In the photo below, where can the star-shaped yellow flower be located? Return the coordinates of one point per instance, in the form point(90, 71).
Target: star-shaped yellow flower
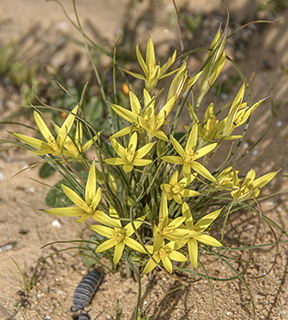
point(84, 208)
point(74, 148)
point(52, 146)
point(197, 232)
point(118, 236)
point(165, 253)
point(176, 189)
point(152, 71)
point(130, 157)
point(250, 188)
point(147, 119)
point(190, 154)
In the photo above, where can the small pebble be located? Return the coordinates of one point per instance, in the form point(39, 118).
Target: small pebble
point(279, 123)
point(255, 152)
point(56, 224)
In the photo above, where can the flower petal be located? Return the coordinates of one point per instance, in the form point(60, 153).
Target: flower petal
point(118, 252)
point(205, 222)
point(193, 251)
point(203, 151)
point(104, 231)
point(202, 171)
point(74, 197)
point(96, 199)
point(65, 128)
point(140, 153)
point(133, 244)
point(106, 245)
point(91, 184)
point(115, 161)
point(46, 133)
point(205, 238)
point(149, 266)
point(118, 148)
point(172, 159)
point(177, 146)
point(192, 139)
point(167, 264)
point(177, 256)
point(124, 113)
point(66, 212)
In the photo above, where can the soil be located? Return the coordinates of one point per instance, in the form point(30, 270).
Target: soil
point(38, 27)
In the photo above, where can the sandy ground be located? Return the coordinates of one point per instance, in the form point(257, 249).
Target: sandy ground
point(38, 26)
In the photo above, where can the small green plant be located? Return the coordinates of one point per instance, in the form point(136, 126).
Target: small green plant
point(27, 282)
point(20, 73)
point(150, 193)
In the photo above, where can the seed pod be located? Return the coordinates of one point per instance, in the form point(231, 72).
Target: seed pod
point(85, 290)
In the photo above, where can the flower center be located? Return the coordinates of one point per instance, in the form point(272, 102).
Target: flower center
point(189, 156)
point(52, 143)
point(176, 189)
point(88, 209)
point(164, 252)
point(119, 235)
point(130, 156)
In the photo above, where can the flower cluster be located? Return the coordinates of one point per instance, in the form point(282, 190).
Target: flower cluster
point(149, 188)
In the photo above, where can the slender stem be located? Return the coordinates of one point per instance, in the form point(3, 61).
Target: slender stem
point(73, 169)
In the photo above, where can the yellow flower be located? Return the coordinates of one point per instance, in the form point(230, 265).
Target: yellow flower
point(118, 236)
point(165, 253)
point(74, 148)
point(239, 112)
point(190, 154)
point(197, 233)
point(215, 63)
point(153, 72)
point(176, 189)
point(145, 119)
point(167, 228)
point(52, 146)
point(250, 188)
point(130, 157)
point(225, 178)
point(84, 208)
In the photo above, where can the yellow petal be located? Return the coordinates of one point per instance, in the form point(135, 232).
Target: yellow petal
point(124, 113)
point(104, 231)
point(91, 184)
point(193, 252)
point(140, 153)
point(106, 245)
point(118, 252)
point(66, 126)
point(192, 139)
point(167, 264)
point(202, 171)
point(150, 53)
point(66, 212)
point(205, 222)
point(134, 102)
point(74, 197)
point(133, 244)
point(96, 199)
point(41, 145)
point(205, 238)
point(118, 148)
point(172, 159)
point(177, 146)
point(46, 133)
point(149, 266)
